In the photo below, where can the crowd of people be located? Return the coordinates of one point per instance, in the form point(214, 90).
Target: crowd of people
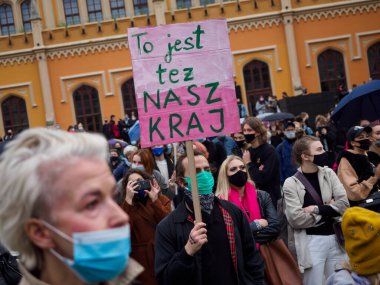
point(81, 210)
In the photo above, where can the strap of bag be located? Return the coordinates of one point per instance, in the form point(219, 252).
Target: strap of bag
point(308, 187)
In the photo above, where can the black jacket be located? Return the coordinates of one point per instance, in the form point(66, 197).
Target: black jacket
point(268, 212)
point(267, 179)
point(174, 266)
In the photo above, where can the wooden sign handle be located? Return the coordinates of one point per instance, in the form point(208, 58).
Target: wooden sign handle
point(193, 180)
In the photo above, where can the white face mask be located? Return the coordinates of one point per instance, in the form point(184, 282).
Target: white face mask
point(290, 134)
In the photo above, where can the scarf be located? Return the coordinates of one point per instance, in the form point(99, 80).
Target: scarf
point(206, 200)
point(248, 203)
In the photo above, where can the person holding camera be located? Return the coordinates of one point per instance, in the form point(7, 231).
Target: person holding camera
point(146, 207)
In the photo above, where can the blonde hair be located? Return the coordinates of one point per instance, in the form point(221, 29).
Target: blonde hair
point(223, 186)
point(29, 169)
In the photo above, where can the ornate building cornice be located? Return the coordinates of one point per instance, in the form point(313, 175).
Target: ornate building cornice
point(65, 50)
point(256, 22)
point(332, 11)
point(308, 13)
point(17, 58)
point(98, 45)
point(91, 48)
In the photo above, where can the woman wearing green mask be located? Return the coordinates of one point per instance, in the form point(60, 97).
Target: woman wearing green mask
point(57, 210)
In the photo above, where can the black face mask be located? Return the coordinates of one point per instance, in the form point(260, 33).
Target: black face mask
point(364, 144)
point(240, 143)
point(250, 137)
point(238, 179)
point(114, 158)
point(321, 159)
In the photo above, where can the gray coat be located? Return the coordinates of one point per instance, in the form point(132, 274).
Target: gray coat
point(299, 221)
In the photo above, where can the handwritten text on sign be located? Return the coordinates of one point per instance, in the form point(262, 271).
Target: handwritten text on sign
point(183, 81)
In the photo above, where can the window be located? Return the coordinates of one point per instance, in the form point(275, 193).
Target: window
point(87, 108)
point(206, 2)
point(141, 7)
point(71, 12)
point(117, 9)
point(257, 82)
point(94, 8)
point(7, 23)
point(373, 54)
point(129, 97)
point(15, 116)
point(331, 71)
point(25, 12)
point(181, 4)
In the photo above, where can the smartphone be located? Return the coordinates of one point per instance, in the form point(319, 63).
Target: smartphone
point(142, 185)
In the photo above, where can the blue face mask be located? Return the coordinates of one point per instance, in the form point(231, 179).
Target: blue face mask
point(205, 182)
point(98, 255)
point(157, 151)
point(139, 167)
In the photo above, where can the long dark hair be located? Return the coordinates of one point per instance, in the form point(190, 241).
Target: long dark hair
point(124, 182)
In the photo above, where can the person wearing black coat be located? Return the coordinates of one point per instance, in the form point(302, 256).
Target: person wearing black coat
point(261, 159)
point(220, 250)
point(174, 266)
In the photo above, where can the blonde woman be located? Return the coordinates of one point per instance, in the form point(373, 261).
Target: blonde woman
point(57, 210)
point(234, 185)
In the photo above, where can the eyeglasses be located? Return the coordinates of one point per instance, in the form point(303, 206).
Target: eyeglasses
point(235, 168)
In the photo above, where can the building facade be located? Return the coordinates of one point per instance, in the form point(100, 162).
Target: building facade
point(67, 61)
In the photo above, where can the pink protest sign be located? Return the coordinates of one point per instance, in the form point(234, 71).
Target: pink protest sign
point(183, 81)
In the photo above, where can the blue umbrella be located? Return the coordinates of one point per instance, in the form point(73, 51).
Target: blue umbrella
point(134, 132)
point(362, 103)
point(281, 116)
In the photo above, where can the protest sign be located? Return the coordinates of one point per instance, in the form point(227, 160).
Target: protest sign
point(183, 81)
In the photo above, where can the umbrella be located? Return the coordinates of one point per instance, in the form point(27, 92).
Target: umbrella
point(362, 103)
point(278, 117)
point(134, 132)
point(114, 141)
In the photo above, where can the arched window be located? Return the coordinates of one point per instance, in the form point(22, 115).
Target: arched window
point(25, 12)
point(129, 97)
point(87, 108)
point(182, 4)
point(71, 12)
point(140, 7)
point(117, 8)
point(7, 23)
point(257, 82)
point(331, 71)
point(94, 8)
point(374, 61)
point(15, 115)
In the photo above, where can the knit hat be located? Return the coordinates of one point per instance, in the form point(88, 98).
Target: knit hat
point(361, 229)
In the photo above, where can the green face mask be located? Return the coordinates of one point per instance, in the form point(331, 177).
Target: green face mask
point(205, 182)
